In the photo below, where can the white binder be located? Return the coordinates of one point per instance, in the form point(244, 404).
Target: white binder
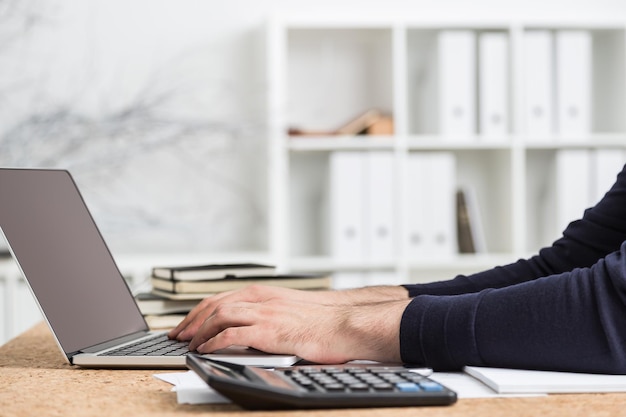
point(417, 199)
point(379, 198)
point(457, 84)
point(539, 85)
point(573, 186)
point(493, 84)
point(441, 232)
point(347, 220)
point(606, 164)
point(431, 206)
point(573, 63)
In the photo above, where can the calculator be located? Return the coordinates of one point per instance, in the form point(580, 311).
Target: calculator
point(320, 386)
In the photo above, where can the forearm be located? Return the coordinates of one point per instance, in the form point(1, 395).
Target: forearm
point(367, 295)
point(572, 321)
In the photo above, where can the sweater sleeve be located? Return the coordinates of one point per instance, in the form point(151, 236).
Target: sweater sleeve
point(600, 231)
point(574, 321)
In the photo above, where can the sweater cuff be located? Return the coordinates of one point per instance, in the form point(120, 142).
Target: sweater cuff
point(438, 331)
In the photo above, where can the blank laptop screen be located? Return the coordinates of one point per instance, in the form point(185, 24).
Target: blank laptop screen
point(64, 258)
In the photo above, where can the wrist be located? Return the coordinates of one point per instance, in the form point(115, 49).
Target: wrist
point(372, 331)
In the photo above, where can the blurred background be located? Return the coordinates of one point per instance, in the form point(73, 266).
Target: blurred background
point(172, 116)
point(159, 109)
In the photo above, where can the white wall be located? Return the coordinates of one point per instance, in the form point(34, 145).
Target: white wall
point(158, 106)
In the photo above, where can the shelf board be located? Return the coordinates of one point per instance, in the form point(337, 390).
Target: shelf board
point(590, 24)
point(439, 142)
point(464, 262)
point(349, 21)
point(327, 263)
point(592, 141)
point(462, 142)
point(334, 143)
point(458, 262)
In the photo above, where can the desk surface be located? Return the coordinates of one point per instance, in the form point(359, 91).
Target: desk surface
point(41, 383)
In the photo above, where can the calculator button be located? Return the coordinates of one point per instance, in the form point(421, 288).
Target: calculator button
point(359, 387)
point(411, 376)
point(334, 387)
point(324, 380)
point(382, 387)
point(384, 370)
point(408, 387)
point(346, 378)
point(303, 380)
point(430, 386)
point(371, 379)
point(392, 378)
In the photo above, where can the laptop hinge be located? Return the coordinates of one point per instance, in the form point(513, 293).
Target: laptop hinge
point(114, 342)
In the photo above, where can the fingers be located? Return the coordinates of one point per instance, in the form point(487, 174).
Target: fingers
point(190, 324)
point(224, 319)
point(254, 293)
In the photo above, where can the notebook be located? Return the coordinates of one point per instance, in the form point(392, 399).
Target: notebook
point(520, 381)
point(75, 280)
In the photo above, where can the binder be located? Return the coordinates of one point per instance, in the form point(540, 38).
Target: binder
point(470, 232)
point(440, 207)
point(457, 83)
point(573, 63)
point(379, 206)
point(573, 186)
point(347, 222)
point(493, 85)
point(539, 85)
point(431, 206)
point(606, 164)
point(417, 200)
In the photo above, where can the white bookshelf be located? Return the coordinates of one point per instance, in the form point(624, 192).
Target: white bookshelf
point(309, 65)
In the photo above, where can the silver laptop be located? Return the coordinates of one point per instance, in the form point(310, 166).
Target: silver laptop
point(80, 291)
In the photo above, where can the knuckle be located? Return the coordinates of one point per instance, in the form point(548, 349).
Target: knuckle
point(204, 303)
point(220, 312)
point(229, 336)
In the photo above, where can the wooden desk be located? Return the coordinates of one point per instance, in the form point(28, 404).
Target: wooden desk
point(40, 383)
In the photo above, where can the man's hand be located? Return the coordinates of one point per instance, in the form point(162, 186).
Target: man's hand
point(259, 293)
point(254, 293)
point(321, 326)
point(316, 332)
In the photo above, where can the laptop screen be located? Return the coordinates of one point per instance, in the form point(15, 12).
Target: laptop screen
point(65, 259)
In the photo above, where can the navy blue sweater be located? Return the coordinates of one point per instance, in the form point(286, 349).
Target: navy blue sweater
point(563, 309)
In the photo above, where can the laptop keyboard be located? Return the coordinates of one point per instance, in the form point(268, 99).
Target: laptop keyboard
point(158, 345)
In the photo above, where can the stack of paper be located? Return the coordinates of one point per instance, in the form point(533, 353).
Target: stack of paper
point(191, 389)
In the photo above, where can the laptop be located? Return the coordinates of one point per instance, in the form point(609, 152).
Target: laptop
point(76, 282)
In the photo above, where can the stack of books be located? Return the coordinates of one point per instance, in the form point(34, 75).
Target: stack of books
point(177, 289)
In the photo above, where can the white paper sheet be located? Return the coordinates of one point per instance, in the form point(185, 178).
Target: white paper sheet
point(191, 389)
